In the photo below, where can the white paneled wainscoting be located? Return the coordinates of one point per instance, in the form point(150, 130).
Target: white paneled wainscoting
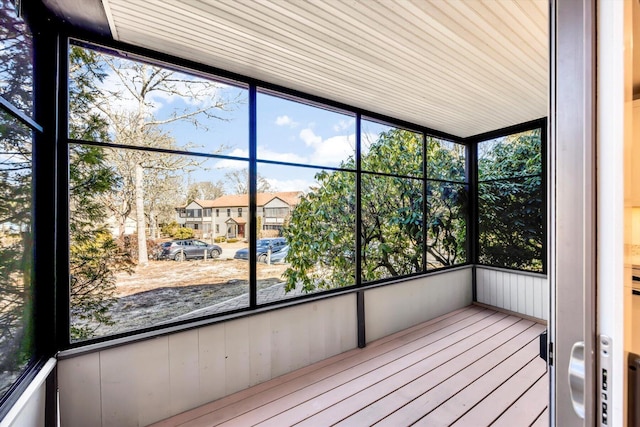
point(516, 291)
point(146, 380)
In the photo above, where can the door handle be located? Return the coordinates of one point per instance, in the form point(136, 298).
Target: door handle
point(576, 378)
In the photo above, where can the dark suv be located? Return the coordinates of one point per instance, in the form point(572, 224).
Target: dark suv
point(276, 245)
point(180, 250)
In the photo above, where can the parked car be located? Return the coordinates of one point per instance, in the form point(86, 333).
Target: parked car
point(180, 250)
point(276, 245)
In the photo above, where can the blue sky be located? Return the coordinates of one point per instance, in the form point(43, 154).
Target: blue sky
point(288, 131)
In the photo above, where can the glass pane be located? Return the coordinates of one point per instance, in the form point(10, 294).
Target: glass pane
point(16, 59)
point(446, 224)
point(386, 149)
point(445, 160)
point(307, 228)
point(121, 101)
point(294, 132)
point(147, 240)
point(510, 156)
point(16, 317)
point(511, 223)
point(392, 230)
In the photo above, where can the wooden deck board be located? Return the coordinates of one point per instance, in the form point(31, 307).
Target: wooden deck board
point(468, 367)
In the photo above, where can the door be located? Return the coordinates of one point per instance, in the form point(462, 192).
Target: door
point(572, 224)
point(587, 135)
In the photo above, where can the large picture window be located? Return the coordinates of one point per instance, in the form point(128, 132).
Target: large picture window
point(150, 151)
point(510, 201)
point(161, 197)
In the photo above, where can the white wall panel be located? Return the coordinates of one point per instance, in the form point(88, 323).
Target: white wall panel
point(184, 372)
point(511, 290)
point(259, 340)
point(79, 385)
point(391, 308)
point(118, 369)
point(212, 366)
point(143, 382)
point(237, 355)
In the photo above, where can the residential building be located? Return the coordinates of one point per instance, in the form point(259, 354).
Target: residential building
point(228, 215)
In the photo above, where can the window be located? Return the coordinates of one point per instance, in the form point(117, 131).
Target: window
point(129, 186)
point(311, 186)
point(17, 337)
point(355, 200)
point(16, 333)
point(392, 192)
point(447, 194)
point(276, 212)
point(510, 201)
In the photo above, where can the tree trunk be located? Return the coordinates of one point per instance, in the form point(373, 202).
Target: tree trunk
point(143, 259)
point(153, 226)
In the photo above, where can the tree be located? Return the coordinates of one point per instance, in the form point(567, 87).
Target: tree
point(94, 255)
point(238, 182)
point(322, 232)
point(510, 201)
point(204, 190)
point(137, 124)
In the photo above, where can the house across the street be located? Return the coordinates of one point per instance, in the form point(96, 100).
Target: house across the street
point(228, 215)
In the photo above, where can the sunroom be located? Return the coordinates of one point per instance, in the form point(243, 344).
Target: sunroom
point(406, 142)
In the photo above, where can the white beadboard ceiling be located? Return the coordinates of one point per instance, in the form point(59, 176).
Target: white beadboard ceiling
point(458, 66)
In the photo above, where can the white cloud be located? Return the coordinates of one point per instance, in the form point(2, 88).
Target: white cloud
point(231, 164)
point(286, 121)
point(234, 164)
point(291, 184)
point(265, 153)
point(330, 151)
point(310, 138)
point(344, 125)
point(335, 149)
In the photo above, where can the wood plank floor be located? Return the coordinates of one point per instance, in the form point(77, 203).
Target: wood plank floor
point(471, 367)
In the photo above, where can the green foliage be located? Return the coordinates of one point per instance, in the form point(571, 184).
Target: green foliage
point(232, 240)
point(220, 239)
point(95, 257)
point(184, 233)
point(170, 229)
point(510, 206)
point(516, 155)
point(321, 231)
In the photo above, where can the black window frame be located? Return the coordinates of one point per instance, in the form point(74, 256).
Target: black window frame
point(99, 43)
point(44, 128)
point(541, 124)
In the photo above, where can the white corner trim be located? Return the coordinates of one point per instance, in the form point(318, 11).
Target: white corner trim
point(32, 388)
